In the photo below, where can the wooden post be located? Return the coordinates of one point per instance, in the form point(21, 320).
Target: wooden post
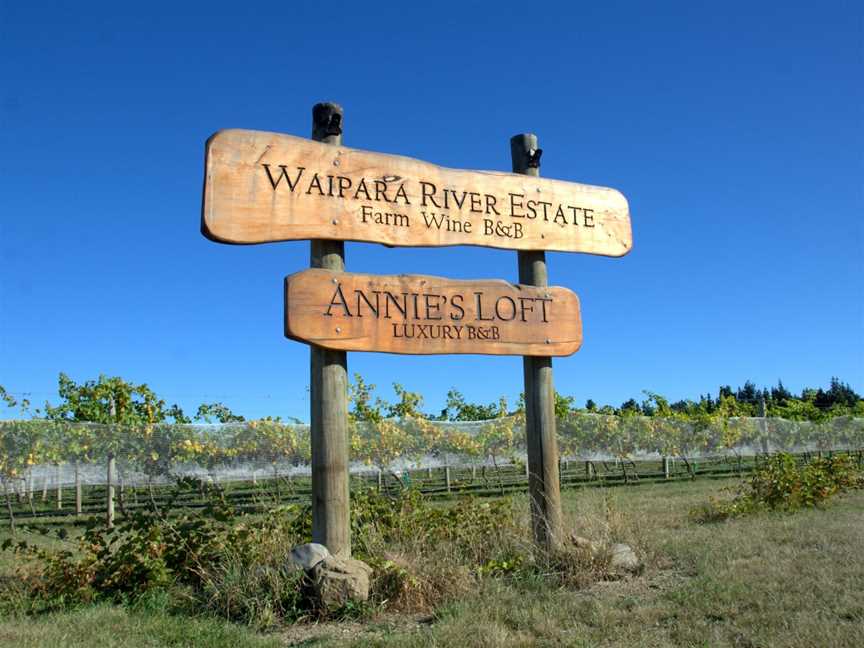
point(78, 498)
point(331, 525)
point(9, 506)
point(109, 494)
point(543, 480)
point(121, 498)
point(30, 487)
point(447, 477)
point(109, 507)
point(763, 424)
point(59, 488)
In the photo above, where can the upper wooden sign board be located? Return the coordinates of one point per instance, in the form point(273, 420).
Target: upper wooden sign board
point(430, 315)
point(262, 187)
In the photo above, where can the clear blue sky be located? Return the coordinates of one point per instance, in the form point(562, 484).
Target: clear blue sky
point(734, 129)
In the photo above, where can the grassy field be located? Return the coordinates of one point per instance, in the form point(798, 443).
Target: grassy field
point(766, 580)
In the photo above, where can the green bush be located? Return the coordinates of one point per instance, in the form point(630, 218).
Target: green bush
point(470, 526)
point(781, 484)
point(219, 560)
point(191, 551)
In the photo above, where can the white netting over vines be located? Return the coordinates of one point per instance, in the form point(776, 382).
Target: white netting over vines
point(262, 449)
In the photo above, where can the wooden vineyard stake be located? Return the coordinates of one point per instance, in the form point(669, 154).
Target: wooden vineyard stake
point(78, 494)
point(262, 187)
point(543, 480)
point(427, 315)
point(112, 473)
point(109, 506)
point(331, 524)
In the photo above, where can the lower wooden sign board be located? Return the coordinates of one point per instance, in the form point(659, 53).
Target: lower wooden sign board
point(418, 314)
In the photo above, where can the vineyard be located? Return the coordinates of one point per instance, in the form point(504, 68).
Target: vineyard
point(52, 468)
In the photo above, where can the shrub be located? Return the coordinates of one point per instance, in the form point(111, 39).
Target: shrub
point(469, 526)
point(236, 565)
point(190, 551)
point(781, 484)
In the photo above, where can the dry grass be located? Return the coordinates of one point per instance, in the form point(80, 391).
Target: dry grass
point(426, 561)
point(771, 580)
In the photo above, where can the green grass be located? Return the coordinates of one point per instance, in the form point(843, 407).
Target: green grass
point(772, 580)
point(114, 626)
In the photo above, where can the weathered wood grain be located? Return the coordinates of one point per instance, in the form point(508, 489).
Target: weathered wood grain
point(544, 486)
point(262, 187)
point(328, 389)
point(418, 314)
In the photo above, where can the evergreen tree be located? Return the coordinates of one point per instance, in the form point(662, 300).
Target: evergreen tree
point(748, 394)
point(839, 393)
point(630, 407)
point(780, 394)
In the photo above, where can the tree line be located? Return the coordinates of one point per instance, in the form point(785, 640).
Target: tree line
point(812, 404)
point(113, 400)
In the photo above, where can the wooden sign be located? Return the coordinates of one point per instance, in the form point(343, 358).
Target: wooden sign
point(430, 315)
point(262, 187)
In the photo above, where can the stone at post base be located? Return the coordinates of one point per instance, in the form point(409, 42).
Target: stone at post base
point(331, 582)
point(339, 581)
point(308, 555)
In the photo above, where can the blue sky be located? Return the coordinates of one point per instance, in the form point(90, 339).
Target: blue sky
point(736, 131)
